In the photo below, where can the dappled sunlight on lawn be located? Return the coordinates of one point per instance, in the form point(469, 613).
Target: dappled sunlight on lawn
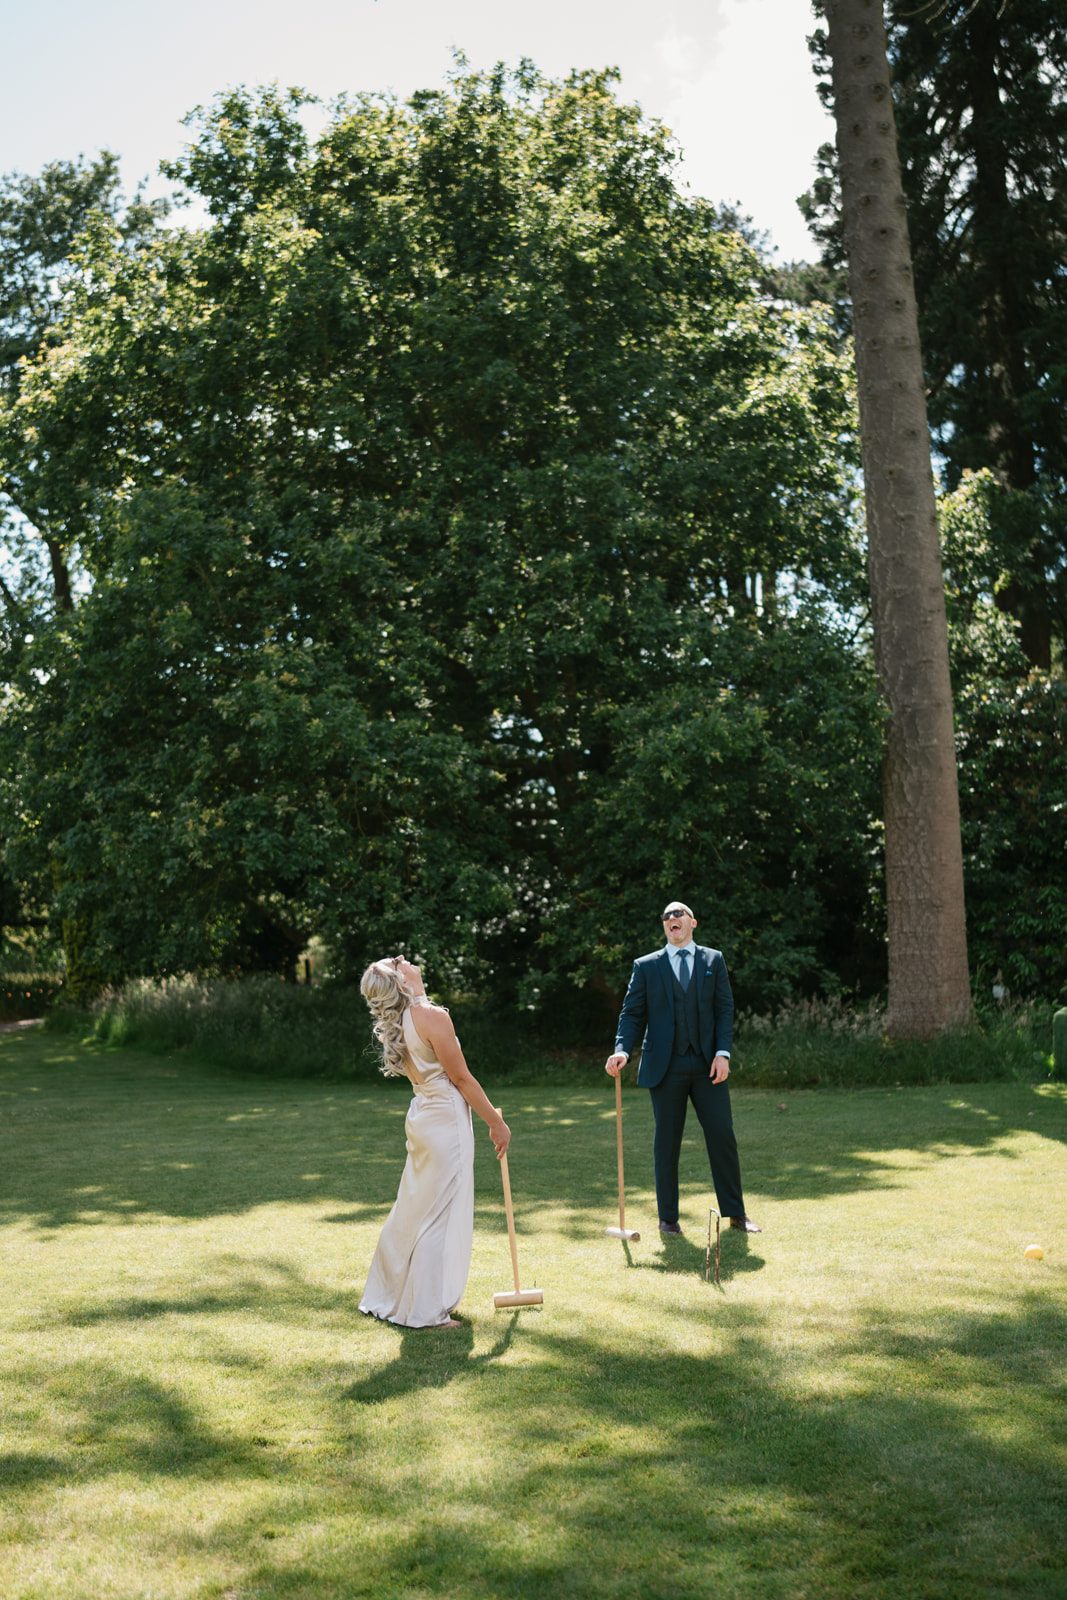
point(499, 1458)
point(870, 1399)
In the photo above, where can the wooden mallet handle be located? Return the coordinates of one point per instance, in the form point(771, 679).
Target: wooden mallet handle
point(621, 1232)
point(521, 1297)
point(511, 1219)
point(618, 1142)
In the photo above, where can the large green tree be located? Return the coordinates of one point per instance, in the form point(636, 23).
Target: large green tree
point(400, 486)
point(43, 218)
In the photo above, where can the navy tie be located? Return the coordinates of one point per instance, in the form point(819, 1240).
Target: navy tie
point(683, 969)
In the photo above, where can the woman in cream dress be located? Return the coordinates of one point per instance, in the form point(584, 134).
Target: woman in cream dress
point(420, 1267)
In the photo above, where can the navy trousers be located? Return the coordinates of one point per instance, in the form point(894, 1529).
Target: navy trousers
point(688, 1079)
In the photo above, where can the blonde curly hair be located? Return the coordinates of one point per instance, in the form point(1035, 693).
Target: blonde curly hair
point(383, 989)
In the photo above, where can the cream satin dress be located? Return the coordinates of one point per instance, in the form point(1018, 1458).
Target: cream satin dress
point(423, 1259)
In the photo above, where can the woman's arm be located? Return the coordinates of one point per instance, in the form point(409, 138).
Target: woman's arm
point(434, 1025)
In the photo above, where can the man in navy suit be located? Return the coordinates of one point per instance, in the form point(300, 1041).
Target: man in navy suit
point(680, 999)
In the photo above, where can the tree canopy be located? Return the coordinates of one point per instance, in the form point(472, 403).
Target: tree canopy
point(980, 96)
point(435, 503)
point(453, 546)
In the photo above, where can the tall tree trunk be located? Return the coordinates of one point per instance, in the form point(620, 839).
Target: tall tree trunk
point(929, 988)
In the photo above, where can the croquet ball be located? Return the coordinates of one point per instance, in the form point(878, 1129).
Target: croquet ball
point(1033, 1252)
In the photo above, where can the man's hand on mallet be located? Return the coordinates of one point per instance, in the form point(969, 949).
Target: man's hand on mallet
point(614, 1064)
point(720, 1069)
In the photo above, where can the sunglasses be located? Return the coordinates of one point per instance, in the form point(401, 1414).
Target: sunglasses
point(675, 911)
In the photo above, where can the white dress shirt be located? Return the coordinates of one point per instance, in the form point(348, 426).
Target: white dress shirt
point(675, 951)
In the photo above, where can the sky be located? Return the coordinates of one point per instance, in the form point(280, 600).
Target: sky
point(730, 78)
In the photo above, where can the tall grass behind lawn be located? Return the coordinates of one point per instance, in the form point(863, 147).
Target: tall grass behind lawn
point(260, 1024)
point(829, 1043)
point(254, 1024)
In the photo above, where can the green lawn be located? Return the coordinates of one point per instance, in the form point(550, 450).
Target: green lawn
point(871, 1404)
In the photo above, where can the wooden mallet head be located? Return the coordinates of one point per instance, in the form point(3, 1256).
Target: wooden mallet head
point(521, 1297)
point(517, 1296)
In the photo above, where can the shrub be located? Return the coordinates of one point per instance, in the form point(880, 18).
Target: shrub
point(256, 1024)
point(806, 1043)
point(263, 1025)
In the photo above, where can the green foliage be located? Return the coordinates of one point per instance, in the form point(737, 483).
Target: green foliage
point(1011, 740)
point(831, 1043)
point(1013, 803)
point(743, 784)
point(465, 538)
point(41, 221)
point(406, 489)
point(45, 223)
point(977, 558)
point(980, 96)
point(982, 118)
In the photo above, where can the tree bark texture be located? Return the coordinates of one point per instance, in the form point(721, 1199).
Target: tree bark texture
point(929, 987)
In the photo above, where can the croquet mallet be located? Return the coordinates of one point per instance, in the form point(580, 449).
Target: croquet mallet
point(622, 1231)
point(707, 1258)
point(521, 1297)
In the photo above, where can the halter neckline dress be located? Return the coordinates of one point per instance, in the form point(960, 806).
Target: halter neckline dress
point(423, 1259)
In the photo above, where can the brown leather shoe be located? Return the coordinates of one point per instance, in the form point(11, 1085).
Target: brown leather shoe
point(745, 1223)
point(669, 1227)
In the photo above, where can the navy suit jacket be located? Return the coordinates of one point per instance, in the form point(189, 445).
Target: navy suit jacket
point(649, 1009)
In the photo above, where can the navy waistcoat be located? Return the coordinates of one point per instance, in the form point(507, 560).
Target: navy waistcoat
point(686, 1016)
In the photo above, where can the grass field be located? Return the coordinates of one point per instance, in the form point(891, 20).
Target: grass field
point(871, 1404)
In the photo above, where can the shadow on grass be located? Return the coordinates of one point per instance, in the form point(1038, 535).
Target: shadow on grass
point(21, 1469)
point(681, 1257)
point(258, 1286)
point(409, 1372)
point(928, 1464)
point(924, 1459)
point(89, 1136)
point(810, 1144)
point(744, 1485)
point(120, 1422)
